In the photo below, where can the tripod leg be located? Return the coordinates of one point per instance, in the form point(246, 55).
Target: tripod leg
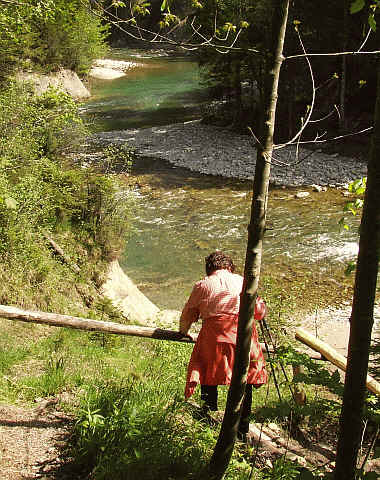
point(270, 362)
point(275, 351)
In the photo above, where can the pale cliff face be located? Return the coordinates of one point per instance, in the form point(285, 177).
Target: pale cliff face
point(125, 295)
point(65, 80)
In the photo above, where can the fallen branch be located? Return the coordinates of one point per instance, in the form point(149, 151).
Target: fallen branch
point(332, 356)
point(79, 323)
point(272, 441)
point(314, 453)
point(60, 252)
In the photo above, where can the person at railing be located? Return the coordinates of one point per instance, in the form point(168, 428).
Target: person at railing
point(216, 299)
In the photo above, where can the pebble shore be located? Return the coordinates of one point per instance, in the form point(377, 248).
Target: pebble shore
point(217, 151)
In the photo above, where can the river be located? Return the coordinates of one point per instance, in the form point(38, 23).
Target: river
point(180, 216)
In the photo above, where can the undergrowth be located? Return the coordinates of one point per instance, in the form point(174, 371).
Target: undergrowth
point(45, 193)
point(130, 418)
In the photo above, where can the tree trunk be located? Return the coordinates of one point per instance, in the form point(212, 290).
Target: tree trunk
point(362, 314)
point(237, 89)
point(67, 321)
point(225, 444)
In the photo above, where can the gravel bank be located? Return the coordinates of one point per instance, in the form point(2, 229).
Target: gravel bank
point(217, 151)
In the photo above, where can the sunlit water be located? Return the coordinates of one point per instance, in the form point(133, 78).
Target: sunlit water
point(163, 90)
point(183, 216)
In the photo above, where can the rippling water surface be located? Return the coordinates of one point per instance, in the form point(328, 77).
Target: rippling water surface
point(185, 216)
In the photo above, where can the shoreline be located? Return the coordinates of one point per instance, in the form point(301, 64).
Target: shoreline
point(108, 69)
point(218, 151)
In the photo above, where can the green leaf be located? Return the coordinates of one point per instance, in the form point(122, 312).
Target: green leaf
point(356, 6)
point(197, 4)
point(348, 207)
point(229, 26)
point(376, 453)
point(371, 476)
point(372, 22)
point(351, 266)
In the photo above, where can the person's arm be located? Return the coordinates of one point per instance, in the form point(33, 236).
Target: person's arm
point(190, 312)
point(260, 309)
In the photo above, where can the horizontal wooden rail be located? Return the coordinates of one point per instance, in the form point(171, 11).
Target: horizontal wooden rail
point(332, 355)
point(79, 323)
point(57, 320)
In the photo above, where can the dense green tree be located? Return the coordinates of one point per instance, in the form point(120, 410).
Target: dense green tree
point(346, 82)
point(49, 35)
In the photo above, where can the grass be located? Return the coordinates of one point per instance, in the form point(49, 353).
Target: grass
point(126, 395)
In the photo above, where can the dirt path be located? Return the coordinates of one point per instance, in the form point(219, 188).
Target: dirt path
point(32, 442)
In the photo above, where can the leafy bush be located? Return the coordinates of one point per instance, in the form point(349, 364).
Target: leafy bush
point(50, 34)
point(43, 190)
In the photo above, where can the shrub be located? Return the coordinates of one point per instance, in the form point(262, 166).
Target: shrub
point(50, 34)
point(43, 189)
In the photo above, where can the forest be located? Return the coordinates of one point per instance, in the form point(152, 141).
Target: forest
point(274, 69)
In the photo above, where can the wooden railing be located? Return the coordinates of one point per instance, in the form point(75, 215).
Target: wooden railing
point(325, 351)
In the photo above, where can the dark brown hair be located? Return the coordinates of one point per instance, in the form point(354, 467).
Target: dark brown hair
point(218, 261)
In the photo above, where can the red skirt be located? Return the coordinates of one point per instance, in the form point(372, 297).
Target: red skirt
point(212, 360)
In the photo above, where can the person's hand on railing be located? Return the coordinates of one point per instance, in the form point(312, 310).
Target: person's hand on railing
point(187, 335)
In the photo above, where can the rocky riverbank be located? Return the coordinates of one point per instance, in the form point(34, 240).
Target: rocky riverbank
point(108, 69)
point(217, 151)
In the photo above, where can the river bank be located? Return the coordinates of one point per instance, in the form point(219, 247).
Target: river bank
point(215, 150)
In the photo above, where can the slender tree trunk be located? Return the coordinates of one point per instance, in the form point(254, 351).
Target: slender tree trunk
point(225, 444)
point(362, 314)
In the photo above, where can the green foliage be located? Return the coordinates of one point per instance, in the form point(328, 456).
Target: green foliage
point(141, 7)
point(9, 357)
point(238, 79)
point(356, 6)
point(53, 379)
point(357, 187)
point(43, 189)
point(315, 372)
point(123, 422)
point(283, 469)
point(50, 34)
point(280, 306)
point(359, 5)
point(73, 37)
